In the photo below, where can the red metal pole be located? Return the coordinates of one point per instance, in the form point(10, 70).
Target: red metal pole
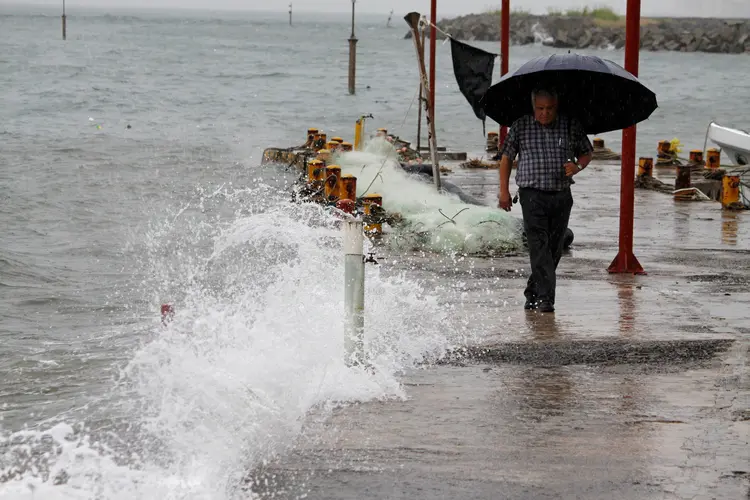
point(504, 44)
point(433, 44)
point(625, 262)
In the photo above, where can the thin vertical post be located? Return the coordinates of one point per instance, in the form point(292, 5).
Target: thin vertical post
point(412, 20)
point(419, 108)
point(352, 55)
point(290, 14)
point(433, 46)
point(504, 49)
point(64, 23)
point(354, 292)
point(625, 261)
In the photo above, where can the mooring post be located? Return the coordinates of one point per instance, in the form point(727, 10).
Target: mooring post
point(290, 14)
point(412, 19)
point(730, 191)
point(645, 166)
point(354, 292)
point(64, 27)
point(714, 158)
point(352, 54)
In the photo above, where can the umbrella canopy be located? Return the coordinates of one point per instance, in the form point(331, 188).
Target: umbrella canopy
point(601, 94)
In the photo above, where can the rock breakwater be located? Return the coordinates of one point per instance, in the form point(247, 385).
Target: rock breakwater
point(730, 36)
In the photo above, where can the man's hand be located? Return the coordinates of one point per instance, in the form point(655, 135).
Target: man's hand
point(571, 169)
point(505, 202)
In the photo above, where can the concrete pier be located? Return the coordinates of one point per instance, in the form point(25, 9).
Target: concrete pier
point(638, 387)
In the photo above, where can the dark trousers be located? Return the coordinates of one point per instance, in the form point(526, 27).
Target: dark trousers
point(545, 219)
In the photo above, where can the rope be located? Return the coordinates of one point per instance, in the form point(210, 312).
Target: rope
point(382, 165)
point(605, 154)
point(423, 21)
point(691, 163)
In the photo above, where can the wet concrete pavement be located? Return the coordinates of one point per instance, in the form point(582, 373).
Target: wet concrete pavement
point(637, 387)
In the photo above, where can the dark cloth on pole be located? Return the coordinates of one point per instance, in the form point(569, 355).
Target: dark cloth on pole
point(545, 219)
point(473, 70)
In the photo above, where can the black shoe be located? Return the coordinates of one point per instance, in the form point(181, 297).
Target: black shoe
point(530, 304)
point(546, 306)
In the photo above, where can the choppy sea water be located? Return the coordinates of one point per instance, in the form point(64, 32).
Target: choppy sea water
point(102, 223)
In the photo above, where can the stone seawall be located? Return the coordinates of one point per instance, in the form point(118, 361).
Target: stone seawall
point(675, 34)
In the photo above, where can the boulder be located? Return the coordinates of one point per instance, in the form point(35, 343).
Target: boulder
point(683, 34)
point(563, 41)
point(585, 40)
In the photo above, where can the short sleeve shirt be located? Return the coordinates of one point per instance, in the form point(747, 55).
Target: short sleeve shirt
point(543, 151)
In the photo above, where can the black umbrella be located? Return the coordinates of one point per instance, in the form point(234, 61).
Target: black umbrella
point(600, 93)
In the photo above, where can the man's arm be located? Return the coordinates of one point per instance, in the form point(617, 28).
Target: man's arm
point(508, 154)
point(504, 195)
point(584, 160)
point(584, 147)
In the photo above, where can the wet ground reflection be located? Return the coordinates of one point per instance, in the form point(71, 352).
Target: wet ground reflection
point(729, 227)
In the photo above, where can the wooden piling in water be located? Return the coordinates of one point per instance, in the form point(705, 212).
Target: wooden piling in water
point(64, 23)
point(352, 55)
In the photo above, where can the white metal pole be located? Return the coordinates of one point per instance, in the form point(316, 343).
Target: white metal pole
point(354, 294)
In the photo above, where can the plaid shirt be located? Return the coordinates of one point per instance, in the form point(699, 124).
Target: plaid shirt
point(544, 150)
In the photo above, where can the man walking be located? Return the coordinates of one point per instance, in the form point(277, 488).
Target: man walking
point(552, 149)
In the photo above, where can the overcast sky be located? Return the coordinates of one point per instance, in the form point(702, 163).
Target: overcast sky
point(703, 8)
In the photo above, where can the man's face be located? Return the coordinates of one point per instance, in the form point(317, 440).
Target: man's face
point(545, 109)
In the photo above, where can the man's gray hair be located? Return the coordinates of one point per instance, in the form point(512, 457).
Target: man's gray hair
point(542, 93)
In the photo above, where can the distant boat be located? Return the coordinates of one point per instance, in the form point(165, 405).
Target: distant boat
point(733, 142)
